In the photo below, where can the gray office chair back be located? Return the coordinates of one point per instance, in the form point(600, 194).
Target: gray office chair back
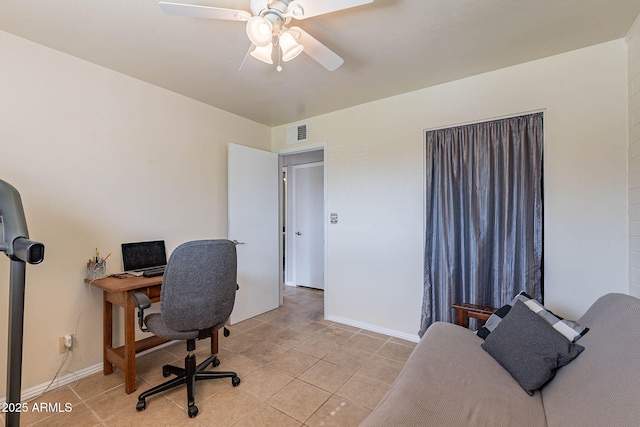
point(199, 285)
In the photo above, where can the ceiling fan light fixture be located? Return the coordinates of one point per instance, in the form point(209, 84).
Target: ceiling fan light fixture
point(263, 53)
point(259, 31)
point(267, 26)
point(290, 47)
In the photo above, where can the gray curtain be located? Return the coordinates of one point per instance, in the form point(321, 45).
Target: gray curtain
point(483, 215)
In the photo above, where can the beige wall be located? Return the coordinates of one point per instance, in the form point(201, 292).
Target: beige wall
point(633, 42)
point(100, 159)
point(74, 139)
point(375, 183)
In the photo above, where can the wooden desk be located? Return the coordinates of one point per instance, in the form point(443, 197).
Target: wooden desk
point(118, 292)
point(465, 311)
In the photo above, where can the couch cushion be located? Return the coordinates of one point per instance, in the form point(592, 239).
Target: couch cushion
point(450, 381)
point(529, 348)
point(602, 386)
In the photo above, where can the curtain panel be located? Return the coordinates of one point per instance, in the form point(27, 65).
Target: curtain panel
point(483, 215)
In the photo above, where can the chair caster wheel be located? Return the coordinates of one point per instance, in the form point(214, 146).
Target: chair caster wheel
point(215, 363)
point(193, 411)
point(225, 332)
point(235, 381)
point(165, 373)
point(141, 405)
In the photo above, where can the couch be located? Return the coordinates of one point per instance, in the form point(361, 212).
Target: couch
point(450, 380)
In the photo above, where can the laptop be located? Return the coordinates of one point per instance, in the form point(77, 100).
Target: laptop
point(139, 257)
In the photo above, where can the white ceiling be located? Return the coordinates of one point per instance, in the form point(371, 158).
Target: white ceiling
point(389, 46)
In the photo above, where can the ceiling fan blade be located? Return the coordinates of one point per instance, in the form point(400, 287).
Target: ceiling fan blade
point(316, 50)
point(194, 11)
point(320, 7)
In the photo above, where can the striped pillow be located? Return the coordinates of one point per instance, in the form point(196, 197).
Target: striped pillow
point(571, 330)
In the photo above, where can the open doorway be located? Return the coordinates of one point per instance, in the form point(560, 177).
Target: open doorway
point(303, 219)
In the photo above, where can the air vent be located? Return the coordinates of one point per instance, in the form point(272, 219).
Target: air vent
point(297, 134)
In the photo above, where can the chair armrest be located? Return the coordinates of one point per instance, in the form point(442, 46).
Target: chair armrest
point(142, 302)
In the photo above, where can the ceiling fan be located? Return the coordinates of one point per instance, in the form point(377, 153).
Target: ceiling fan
point(267, 26)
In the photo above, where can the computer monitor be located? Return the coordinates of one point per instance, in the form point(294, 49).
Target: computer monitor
point(143, 255)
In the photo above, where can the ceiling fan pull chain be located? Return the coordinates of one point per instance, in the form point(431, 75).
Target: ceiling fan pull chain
point(276, 42)
point(245, 56)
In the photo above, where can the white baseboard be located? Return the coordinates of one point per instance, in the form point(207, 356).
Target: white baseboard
point(61, 381)
point(72, 377)
point(374, 328)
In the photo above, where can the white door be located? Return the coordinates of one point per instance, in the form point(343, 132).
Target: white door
point(253, 181)
point(308, 225)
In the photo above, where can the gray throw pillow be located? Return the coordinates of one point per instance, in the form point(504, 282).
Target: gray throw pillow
point(529, 348)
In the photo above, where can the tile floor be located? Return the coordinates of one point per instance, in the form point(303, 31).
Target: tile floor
point(297, 369)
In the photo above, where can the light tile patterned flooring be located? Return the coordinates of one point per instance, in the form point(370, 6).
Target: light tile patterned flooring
point(297, 369)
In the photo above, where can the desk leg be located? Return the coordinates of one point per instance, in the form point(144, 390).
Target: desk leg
point(129, 345)
point(107, 333)
point(214, 343)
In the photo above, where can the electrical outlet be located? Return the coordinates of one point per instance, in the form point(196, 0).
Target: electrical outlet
point(64, 342)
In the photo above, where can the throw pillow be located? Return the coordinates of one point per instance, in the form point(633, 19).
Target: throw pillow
point(529, 348)
point(570, 329)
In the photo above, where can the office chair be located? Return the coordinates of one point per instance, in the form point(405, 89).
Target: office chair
point(197, 296)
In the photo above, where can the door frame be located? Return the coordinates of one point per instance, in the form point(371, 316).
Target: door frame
point(295, 150)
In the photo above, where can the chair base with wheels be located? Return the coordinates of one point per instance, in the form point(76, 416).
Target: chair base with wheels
point(189, 375)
